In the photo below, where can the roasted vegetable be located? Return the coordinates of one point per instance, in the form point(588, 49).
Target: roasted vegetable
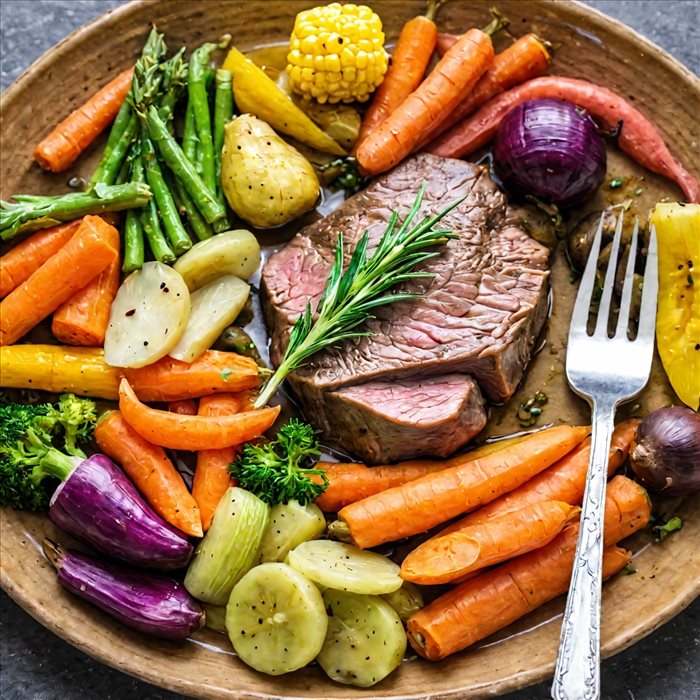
point(28, 433)
point(213, 307)
point(665, 455)
point(678, 313)
point(228, 549)
point(230, 253)
point(581, 237)
point(95, 501)
point(341, 122)
point(235, 339)
point(550, 149)
point(148, 316)
point(154, 605)
point(406, 600)
point(267, 182)
point(276, 619)
point(365, 641)
point(278, 471)
point(344, 567)
point(337, 53)
point(290, 524)
point(257, 94)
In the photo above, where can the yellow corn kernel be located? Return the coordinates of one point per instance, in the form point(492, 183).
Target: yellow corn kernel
point(337, 53)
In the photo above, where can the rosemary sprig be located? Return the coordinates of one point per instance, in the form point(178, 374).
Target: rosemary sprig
point(350, 298)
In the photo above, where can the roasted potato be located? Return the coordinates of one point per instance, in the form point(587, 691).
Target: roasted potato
point(266, 181)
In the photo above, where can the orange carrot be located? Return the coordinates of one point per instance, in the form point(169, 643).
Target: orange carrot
point(149, 468)
point(83, 319)
point(212, 477)
point(409, 61)
point(484, 604)
point(192, 432)
point(524, 59)
point(350, 482)
point(446, 558)
point(638, 137)
point(185, 407)
point(453, 78)
point(213, 372)
point(59, 150)
point(27, 257)
point(435, 498)
point(563, 481)
point(89, 251)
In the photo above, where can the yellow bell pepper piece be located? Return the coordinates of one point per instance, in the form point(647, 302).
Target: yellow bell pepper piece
point(257, 94)
point(59, 369)
point(678, 315)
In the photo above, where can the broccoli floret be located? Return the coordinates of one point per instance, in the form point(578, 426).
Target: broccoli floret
point(30, 438)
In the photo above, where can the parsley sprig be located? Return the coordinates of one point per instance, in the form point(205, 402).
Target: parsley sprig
point(349, 298)
point(280, 470)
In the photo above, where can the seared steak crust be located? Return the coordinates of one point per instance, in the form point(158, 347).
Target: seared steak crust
point(479, 315)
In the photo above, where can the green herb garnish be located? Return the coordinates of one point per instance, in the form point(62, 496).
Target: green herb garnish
point(349, 298)
point(616, 183)
point(661, 532)
point(348, 177)
point(280, 470)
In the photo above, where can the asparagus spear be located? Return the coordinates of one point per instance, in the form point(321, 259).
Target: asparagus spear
point(31, 213)
point(197, 91)
point(223, 111)
point(190, 141)
point(134, 243)
point(200, 227)
point(171, 153)
point(179, 240)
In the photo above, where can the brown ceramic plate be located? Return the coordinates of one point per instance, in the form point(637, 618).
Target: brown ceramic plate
point(589, 46)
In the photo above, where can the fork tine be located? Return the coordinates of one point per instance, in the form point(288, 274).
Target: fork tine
point(579, 317)
point(601, 326)
point(650, 292)
point(623, 318)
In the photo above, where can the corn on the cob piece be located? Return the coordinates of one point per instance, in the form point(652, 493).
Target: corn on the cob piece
point(337, 53)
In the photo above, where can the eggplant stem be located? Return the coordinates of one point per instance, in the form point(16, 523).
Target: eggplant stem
point(53, 551)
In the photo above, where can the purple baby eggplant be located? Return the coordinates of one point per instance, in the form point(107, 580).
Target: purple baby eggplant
point(98, 504)
point(155, 605)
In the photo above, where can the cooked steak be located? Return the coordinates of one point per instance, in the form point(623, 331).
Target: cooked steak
point(394, 420)
point(479, 315)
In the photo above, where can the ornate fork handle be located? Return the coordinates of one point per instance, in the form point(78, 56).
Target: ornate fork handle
point(577, 676)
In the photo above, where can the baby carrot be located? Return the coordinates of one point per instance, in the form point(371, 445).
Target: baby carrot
point(637, 137)
point(523, 60)
point(409, 61)
point(435, 498)
point(185, 407)
point(87, 253)
point(27, 257)
point(484, 604)
point(350, 482)
point(446, 558)
point(83, 319)
point(192, 432)
point(59, 150)
point(212, 477)
point(452, 79)
point(213, 372)
point(563, 481)
point(151, 471)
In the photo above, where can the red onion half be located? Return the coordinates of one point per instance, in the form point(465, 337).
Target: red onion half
point(550, 149)
point(665, 454)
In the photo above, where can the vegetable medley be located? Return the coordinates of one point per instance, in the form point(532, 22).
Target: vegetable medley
point(150, 271)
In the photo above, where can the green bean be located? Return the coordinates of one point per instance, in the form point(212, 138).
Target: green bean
point(197, 91)
point(223, 111)
point(171, 153)
point(179, 240)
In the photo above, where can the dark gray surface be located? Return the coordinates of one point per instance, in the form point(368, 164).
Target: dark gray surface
point(35, 664)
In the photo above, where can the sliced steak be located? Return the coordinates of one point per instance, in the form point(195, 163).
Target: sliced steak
point(479, 315)
point(391, 421)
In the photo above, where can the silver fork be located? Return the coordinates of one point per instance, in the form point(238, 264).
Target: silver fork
point(605, 371)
